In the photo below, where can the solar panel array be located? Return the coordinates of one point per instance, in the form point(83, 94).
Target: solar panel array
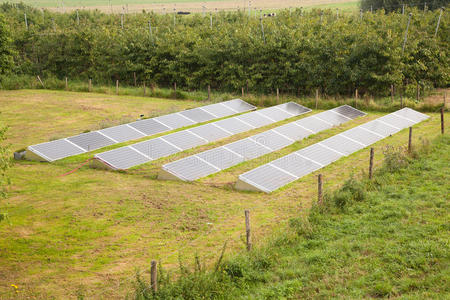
point(133, 155)
point(86, 142)
point(278, 173)
point(214, 160)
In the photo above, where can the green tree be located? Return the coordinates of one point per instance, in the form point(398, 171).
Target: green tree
point(393, 5)
point(6, 52)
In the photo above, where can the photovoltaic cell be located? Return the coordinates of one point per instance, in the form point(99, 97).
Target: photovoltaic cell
point(155, 148)
point(62, 148)
point(314, 124)
point(192, 167)
point(267, 142)
point(56, 149)
point(332, 117)
point(255, 120)
point(320, 154)
point(149, 126)
point(233, 125)
point(325, 152)
point(123, 158)
point(296, 165)
point(272, 140)
point(91, 141)
point(210, 132)
point(122, 133)
point(349, 111)
point(198, 115)
point(184, 140)
point(175, 121)
point(274, 113)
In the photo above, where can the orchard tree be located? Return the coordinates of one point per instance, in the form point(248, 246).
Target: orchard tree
point(6, 52)
point(5, 163)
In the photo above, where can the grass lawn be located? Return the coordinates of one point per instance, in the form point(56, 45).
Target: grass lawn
point(89, 231)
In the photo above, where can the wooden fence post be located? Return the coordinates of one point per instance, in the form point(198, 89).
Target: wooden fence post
point(145, 89)
point(153, 276)
point(392, 93)
point(242, 92)
point(442, 120)
point(209, 92)
point(175, 89)
point(90, 85)
point(134, 77)
point(410, 140)
point(247, 230)
point(371, 163)
point(356, 93)
point(319, 189)
point(278, 96)
point(67, 84)
point(117, 87)
point(317, 97)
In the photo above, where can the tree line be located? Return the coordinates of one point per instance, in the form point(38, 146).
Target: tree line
point(297, 51)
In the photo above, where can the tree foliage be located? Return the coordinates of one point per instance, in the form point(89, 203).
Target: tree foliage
point(5, 163)
point(397, 5)
point(6, 53)
point(300, 51)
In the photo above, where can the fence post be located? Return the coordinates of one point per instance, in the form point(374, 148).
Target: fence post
point(247, 230)
point(242, 92)
point(438, 22)
point(418, 91)
point(317, 97)
point(410, 140)
point(209, 92)
point(442, 120)
point(371, 163)
point(39, 78)
point(90, 85)
point(134, 77)
point(175, 89)
point(319, 189)
point(26, 21)
point(67, 84)
point(117, 87)
point(278, 96)
point(406, 33)
point(392, 93)
point(153, 276)
point(401, 97)
point(145, 89)
point(356, 93)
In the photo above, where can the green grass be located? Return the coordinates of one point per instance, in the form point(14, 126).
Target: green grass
point(391, 241)
point(81, 3)
point(89, 231)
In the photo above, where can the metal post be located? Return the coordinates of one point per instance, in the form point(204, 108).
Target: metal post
point(150, 30)
point(78, 18)
point(210, 20)
point(438, 22)
point(262, 30)
point(406, 33)
point(26, 20)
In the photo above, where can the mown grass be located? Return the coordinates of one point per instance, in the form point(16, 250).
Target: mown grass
point(382, 238)
point(86, 233)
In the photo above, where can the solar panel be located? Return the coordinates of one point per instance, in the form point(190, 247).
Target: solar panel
point(155, 148)
point(122, 133)
point(55, 150)
point(290, 168)
point(175, 120)
point(62, 148)
point(261, 144)
point(123, 158)
point(91, 140)
point(201, 135)
point(348, 111)
point(149, 126)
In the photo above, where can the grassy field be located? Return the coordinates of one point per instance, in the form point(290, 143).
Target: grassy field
point(88, 232)
point(190, 5)
point(382, 238)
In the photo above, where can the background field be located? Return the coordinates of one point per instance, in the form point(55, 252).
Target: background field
point(88, 232)
point(190, 5)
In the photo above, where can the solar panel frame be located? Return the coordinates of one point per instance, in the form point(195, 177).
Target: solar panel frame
point(122, 158)
point(51, 151)
point(329, 150)
point(150, 126)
